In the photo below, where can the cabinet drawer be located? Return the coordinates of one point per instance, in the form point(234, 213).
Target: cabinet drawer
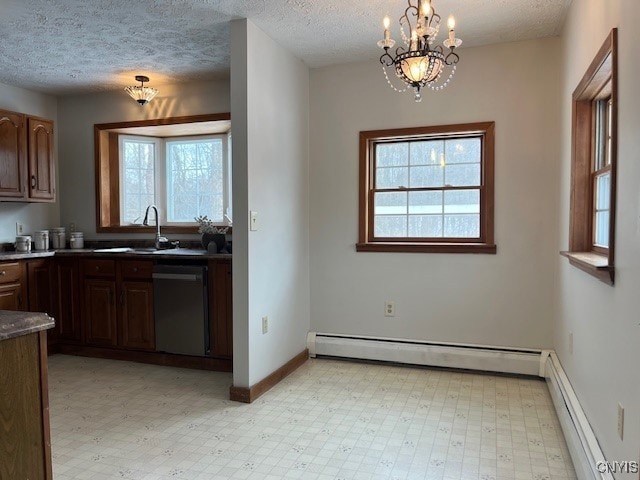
point(136, 269)
point(99, 268)
point(10, 272)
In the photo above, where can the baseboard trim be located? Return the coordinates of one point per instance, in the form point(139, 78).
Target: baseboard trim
point(250, 394)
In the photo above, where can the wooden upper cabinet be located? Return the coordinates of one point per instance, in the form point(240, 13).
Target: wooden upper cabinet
point(41, 159)
point(12, 156)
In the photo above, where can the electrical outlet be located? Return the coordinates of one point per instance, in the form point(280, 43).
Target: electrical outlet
point(620, 421)
point(19, 228)
point(571, 343)
point(72, 227)
point(253, 221)
point(389, 309)
point(265, 325)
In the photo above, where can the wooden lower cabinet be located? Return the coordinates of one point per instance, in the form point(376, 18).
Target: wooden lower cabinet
point(118, 303)
point(100, 312)
point(136, 315)
point(25, 446)
point(12, 286)
point(220, 309)
point(66, 301)
point(40, 281)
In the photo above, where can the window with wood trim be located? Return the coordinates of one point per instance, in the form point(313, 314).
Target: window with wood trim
point(181, 164)
point(593, 166)
point(427, 189)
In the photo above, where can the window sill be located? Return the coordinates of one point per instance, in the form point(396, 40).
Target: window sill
point(145, 229)
point(398, 247)
point(593, 263)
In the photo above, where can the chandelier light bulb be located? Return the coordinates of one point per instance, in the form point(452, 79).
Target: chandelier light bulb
point(451, 22)
point(386, 23)
point(426, 9)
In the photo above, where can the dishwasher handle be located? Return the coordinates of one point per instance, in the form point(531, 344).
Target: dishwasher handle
point(184, 277)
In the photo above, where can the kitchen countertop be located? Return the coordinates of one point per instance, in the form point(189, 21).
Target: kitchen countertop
point(16, 324)
point(186, 253)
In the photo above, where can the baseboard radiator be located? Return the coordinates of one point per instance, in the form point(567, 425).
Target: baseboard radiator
point(583, 446)
point(411, 352)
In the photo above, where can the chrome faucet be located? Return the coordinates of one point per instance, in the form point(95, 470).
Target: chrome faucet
point(160, 240)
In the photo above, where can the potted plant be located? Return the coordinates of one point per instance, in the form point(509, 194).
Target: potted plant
point(212, 233)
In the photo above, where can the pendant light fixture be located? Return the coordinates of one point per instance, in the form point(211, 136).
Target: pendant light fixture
point(140, 93)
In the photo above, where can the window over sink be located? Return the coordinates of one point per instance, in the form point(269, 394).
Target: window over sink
point(182, 165)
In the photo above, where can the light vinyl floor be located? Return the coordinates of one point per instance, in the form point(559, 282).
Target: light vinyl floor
point(328, 420)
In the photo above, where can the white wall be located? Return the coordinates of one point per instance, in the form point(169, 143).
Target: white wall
point(603, 368)
point(503, 299)
point(78, 114)
point(270, 100)
point(34, 216)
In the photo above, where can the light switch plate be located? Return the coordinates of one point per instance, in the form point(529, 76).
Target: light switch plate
point(253, 221)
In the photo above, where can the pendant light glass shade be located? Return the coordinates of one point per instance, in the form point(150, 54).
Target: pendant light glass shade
point(140, 93)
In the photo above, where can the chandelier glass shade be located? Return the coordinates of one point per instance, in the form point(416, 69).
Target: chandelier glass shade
point(140, 93)
point(419, 62)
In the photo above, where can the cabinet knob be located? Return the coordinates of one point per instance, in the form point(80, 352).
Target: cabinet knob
point(97, 268)
point(33, 181)
point(135, 269)
point(2, 273)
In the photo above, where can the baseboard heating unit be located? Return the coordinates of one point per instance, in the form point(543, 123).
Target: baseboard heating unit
point(415, 352)
point(583, 445)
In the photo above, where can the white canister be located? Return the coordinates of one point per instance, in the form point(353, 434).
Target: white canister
point(76, 240)
point(58, 238)
point(41, 240)
point(23, 243)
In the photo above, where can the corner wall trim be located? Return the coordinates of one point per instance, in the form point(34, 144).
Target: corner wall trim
point(249, 394)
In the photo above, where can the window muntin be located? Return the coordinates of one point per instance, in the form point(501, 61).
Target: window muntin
point(427, 186)
point(185, 177)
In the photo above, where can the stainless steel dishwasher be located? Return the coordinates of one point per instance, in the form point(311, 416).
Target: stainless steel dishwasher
point(181, 309)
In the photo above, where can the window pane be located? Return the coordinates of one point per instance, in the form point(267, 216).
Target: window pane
point(425, 226)
point(195, 178)
point(462, 201)
point(603, 191)
point(392, 154)
point(602, 229)
point(390, 203)
point(462, 175)
point(462, 226)
point(425, 202)
point(137, 189)
point(463, 150)
point(392, 177)
point(390, 226)
point(431, 176)
point(427, 153)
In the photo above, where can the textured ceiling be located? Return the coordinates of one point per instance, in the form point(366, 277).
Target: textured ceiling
point(73, 46)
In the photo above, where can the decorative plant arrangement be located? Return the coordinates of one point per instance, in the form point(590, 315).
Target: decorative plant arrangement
point(207, 226)
point(213, 234)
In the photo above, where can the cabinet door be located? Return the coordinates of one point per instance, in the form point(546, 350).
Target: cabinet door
point(66, 300)
point(12, 155)
point(137, 323)
point(11, 297)
point(41, 159)
point(39, 283)
point(220, 309)
point(100, 312)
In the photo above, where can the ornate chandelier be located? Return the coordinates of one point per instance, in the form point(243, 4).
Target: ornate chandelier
point(420, 63)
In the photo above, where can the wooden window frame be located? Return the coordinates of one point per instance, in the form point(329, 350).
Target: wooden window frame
point(598, 83)
point(107, 177)
point(483, 244)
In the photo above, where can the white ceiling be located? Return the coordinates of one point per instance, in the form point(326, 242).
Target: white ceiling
point(73, 46)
